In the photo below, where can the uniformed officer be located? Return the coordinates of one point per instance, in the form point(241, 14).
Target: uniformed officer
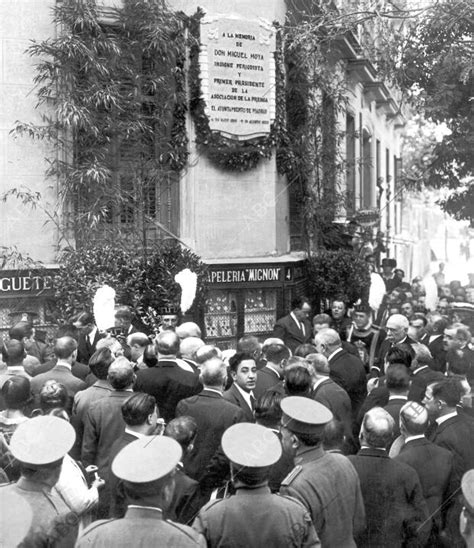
point(146, 467)
point(40, 444)
point(326, 483)
point(466, 523)
point(254, 516)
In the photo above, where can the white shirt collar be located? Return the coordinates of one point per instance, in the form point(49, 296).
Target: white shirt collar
point(273, 369)
point(213, 390)
point(319, 381)
point(17, 369)
point(417, 437)
point(146, 507)
point(133, 433)
point(335, 352)
point(91, 335)
point(440, 420)
point(397, 397)
point(298, 323)
point(245, 395)
point(292, 314)
point(64, 364)
point(421, 368)
point(178, 361)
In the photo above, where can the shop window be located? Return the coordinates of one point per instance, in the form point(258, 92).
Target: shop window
point(220, 318)
point(230, 314)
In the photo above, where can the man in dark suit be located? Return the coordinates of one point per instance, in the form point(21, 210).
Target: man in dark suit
point(171, 380)
point(123, 321)
point(271, 376)
point(433, 464)
point(186, 498)
point(436, 326)
point(456, 340)
point(243, 370)
point(295, 328)
point(418, 330)
point(345, 369)
point(99, 363)
point(454, 432)
point(330, 394)
point(397, 336)
point(79, 370)
point(397, 382)
point(421, 373)
point(103, 422)
point(65, 350)
point(391, 281)
point(140, 414)
point(213, 415)
point(88, 337)
point(22, 332)
point(396, 511)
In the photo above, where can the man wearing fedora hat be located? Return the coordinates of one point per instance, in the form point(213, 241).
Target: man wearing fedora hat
point(254, 517)
point(326, 483)
point(40, 444)
point(388, 276)
point(146, 468)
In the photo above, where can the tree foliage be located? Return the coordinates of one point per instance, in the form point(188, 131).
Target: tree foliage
point(145, 283)
point(338, 274)
point(436, 68)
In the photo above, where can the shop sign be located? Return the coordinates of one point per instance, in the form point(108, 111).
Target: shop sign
point(246, 275)
point(25, 282)
point(237, 66)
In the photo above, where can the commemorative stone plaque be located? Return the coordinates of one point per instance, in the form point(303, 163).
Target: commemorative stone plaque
point(238, 75)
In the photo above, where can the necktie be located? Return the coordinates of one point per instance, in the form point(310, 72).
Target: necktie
point(252, 402)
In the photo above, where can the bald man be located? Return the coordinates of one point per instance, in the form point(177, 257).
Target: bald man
point(65, 350)
point(329, 393)
point(171, 380)
point(395, 508)
point(417, 452)
point(213, 415)
point(397, 336)
point(188, 348)
point(188, 329)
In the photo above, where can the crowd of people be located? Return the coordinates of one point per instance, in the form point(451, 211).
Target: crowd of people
point(346, 428)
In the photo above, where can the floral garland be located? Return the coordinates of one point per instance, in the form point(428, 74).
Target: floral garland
point(227, 153)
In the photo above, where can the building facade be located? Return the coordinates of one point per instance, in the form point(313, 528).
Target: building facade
point(242, 223)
